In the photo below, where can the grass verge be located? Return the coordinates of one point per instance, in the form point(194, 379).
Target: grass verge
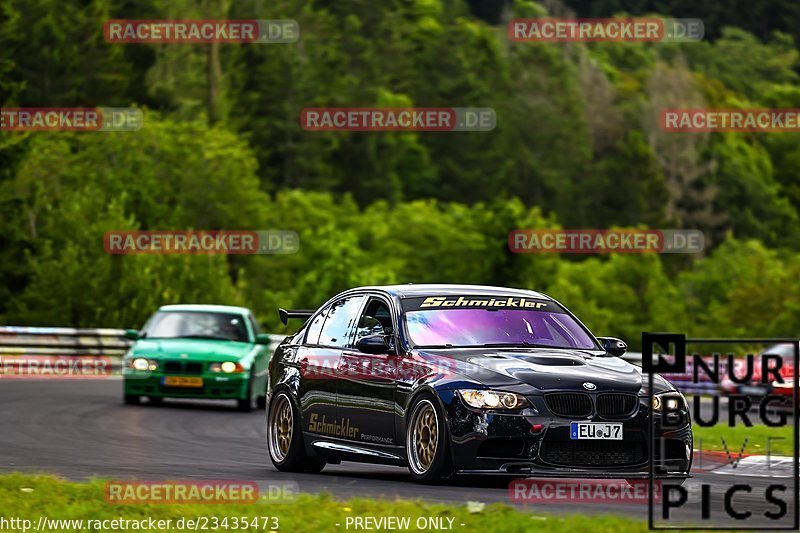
point(756, 439)
point(30, 497)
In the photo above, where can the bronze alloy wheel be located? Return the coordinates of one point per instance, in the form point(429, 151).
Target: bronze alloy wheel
point(281, 428)
point(423, 437)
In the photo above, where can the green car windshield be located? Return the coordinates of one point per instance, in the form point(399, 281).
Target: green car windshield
point(196, 325)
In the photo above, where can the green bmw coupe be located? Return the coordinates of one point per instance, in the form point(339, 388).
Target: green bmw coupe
point(198, 351)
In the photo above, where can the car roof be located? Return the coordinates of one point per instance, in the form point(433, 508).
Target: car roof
point(413, 290)
point(205, 308)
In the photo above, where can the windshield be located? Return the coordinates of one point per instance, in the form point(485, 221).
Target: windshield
point(786, 351)
point(196, 325)
point(500, 327)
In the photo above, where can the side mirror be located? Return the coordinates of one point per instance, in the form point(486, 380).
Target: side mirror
point(263, 338)
point(613, 345)
point(374, 344)
point(132, 334)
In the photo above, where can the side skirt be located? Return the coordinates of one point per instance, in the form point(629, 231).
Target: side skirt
point(333, 450)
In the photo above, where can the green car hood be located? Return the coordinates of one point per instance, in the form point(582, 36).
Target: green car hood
point(207, 350)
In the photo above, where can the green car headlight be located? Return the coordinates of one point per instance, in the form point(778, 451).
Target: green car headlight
point(142, 365)
point(489, 399)
point(228, 367)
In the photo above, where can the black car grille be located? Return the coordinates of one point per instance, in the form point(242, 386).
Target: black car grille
point(616, 405)
point(182, 367)
point(569, 404)
point(595, 453)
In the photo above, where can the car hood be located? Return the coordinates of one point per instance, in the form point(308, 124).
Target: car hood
point(543, 369)
point(191, 349)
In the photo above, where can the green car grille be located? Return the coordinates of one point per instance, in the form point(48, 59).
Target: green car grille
point(182, 367)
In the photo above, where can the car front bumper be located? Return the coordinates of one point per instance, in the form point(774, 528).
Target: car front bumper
point(540, 445)
point(214, 385)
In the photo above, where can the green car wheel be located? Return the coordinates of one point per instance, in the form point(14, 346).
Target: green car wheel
point(130, 399)
point(245, 405)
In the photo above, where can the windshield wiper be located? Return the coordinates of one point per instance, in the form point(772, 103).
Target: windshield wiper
point(492, 345)
point(210, 337)
point(433, 346)
point(517, 345)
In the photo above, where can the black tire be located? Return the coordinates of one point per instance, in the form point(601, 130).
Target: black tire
point(428, 458)
point(261, 402)
point(313, 465)
point(155, 400)
point(285, 438)
point(131, 399)
point(245, 405)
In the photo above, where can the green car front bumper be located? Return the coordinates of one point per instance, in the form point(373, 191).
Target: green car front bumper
point(211, 385)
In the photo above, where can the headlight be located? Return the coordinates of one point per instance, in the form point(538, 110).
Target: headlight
point(228, 367)
point(141, 364)
point(670, 401)
point(489, 399)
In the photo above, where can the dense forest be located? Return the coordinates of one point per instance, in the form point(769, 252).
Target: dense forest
point(577, 145)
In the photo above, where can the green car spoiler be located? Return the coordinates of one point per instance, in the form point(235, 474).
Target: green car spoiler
point(286, 314)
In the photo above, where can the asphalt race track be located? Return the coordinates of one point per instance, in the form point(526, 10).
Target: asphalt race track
point(79, 429)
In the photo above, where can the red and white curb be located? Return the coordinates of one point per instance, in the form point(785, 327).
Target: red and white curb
point(747, 465)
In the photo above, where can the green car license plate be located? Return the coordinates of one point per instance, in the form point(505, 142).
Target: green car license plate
point(180, 381)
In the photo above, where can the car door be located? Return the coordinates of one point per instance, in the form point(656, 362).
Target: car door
point(366, 389)
point(327, 333)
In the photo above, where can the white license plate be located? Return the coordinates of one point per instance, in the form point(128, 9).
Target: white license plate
point(594, 430)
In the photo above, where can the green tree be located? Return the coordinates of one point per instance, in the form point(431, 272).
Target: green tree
point(72, 188)
point(60, 55)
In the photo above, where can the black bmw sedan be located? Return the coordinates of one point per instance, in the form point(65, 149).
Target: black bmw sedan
point(448, 379)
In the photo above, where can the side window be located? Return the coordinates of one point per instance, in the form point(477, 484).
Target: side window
point(315, 327)
point(338, 324)
point(253, 325)
point(375, 320)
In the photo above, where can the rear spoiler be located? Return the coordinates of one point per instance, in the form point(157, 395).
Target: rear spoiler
point(286, 314)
